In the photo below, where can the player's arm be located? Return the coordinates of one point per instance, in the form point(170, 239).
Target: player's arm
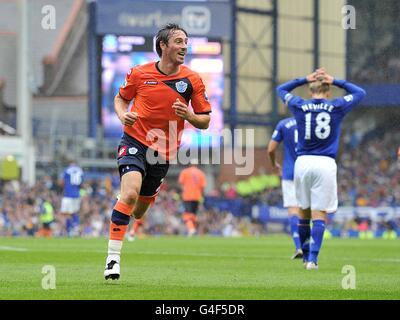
point(272, 147)
point(284, 89)
point(126, 94)
point(354, 93)
point(121, 106)
point(200, 118)
point(200, 121)
point(357, 92)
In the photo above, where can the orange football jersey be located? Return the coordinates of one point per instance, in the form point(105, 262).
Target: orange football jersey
point(193, 181)
point(154, 93)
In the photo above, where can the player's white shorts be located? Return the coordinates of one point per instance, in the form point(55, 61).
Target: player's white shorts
point(316, 183)
point(70, 205)
point(289, 194)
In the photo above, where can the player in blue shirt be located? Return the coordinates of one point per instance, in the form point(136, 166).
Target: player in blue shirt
point(318, 124)
point(286, 131)
point(71, 201)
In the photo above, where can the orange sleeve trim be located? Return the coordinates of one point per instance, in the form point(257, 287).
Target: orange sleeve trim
point(123, 208)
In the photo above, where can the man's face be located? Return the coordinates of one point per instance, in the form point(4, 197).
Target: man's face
point(177, 47)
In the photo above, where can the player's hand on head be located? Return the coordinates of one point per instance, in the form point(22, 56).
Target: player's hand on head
point(328, 79)
point(129, 118)
point(323, 76)
point(312, 77)
point(181, 109)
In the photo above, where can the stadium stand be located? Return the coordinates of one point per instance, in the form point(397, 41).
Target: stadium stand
point(368, 175)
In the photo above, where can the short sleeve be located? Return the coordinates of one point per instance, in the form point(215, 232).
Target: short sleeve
point(128, 89)
point(199, 100)
point(277, 134)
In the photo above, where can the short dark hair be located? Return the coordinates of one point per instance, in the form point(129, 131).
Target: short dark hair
point(165, 33)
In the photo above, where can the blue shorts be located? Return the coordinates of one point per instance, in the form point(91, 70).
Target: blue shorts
point(132, 157)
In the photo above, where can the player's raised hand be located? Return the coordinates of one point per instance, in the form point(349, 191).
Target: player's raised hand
point(312, 77)
point(320, 71)
point(128, 118)
point(323, 76)
point(328, 79)
point(181, 109)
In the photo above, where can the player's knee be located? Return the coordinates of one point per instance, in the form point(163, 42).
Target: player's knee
point(129, 196)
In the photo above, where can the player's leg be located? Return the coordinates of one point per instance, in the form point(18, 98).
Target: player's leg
point(189, 216)
point(305, 232)
point(66, 212)
point(141, 207)
point(151, 184)
point(323, 200)
point(136, 225)
point(302, 183)
point(76, 204)
point(290, 202)
point(130, 185)
point(317, 235)
point(294, 231)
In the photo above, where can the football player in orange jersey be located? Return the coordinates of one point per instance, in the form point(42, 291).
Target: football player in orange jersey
point(161, 92)
point(193, 182)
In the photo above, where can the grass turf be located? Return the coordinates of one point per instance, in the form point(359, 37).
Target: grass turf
point(207, 268)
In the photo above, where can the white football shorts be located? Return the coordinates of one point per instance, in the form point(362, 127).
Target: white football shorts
point(70, 205)
point(315, 179)
point(289, 194)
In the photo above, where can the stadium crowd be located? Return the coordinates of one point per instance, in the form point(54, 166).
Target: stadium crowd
point(20, 211)
point(368, 175)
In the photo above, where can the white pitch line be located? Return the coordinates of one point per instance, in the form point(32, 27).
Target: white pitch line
point(6, 248)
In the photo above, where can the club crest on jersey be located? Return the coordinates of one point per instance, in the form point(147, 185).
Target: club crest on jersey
point(181, 86)
point(132, 150)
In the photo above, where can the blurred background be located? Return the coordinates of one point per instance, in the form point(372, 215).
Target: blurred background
point(62, 62)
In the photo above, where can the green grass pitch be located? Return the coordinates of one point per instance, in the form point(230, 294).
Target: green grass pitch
point(166, 268)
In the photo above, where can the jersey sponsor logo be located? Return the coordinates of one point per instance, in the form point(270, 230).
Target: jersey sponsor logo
point(122, 151)
point(181, 86)
point(151, 83)
point(132, 150)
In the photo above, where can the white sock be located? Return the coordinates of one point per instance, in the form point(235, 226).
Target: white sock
point(114, 249)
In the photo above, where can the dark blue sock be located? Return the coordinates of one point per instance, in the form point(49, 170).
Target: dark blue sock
point(294, 231)
point(68, 225)
point(75, 220)
point(304, 233)
point(317, 234)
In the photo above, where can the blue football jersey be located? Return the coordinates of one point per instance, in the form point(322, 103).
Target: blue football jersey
point(286, 131)
point(73, 178)
point(319, 120)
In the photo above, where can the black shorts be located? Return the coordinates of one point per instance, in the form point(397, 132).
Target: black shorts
point(191, 206)
point(132, 157)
